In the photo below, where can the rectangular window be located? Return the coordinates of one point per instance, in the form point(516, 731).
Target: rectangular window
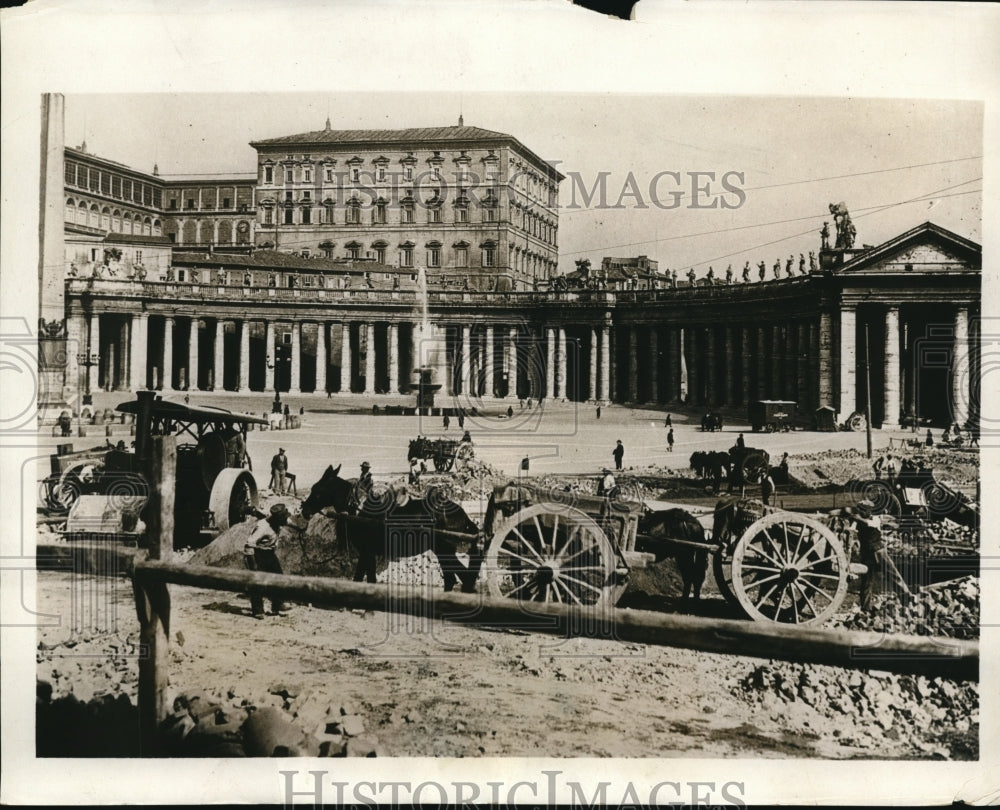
point(116, 186)
point(306, 216)
point(105, 183)
point(355, 174)
point(268, 217)
point(289, 176)
point(288, 196)
point(95, 180)
point(408, 215)
point(306, 195)
point(380, 173)
point(462, 257)
point(147, 195)
point(353, 214)
point(69, 173)
point(173, 204)
point(190, 203)
point(307, 176)
point(489, 214)
point(378, 215)
point(434, 257)
point(180, 275)
point(406, 257)
point(329, 175)
point(461, 214)
point(380, 255)
point(157, 198)
point(268, 174)
point(138, 257)
point(434, 215)
point(408, 173)
point(289, 214)
point(353, 252)
point(489, 256)
point(226, 202)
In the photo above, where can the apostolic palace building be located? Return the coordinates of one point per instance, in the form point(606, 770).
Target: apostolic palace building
point(310, 274)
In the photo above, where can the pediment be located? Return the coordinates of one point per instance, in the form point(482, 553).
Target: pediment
point(927, 249)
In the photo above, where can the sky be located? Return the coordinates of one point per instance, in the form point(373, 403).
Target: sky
point(894, 163)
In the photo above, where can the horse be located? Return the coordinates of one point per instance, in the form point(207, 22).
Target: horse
point(397, 526)
point(657, 533)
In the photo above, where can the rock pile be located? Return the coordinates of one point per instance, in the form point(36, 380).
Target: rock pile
point(950, 609)
point(938, 717)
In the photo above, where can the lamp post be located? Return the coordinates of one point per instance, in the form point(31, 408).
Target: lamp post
point(276, 405)
point(85, 360)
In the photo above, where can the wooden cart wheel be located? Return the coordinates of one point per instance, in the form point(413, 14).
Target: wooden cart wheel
point(754, 466)
point(234, 495)
point(464, 454)
point(722, 567)
point(551, 553)
point(443, 463)
point(789, 569)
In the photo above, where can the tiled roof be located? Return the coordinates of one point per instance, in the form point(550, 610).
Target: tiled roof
point(332, 136)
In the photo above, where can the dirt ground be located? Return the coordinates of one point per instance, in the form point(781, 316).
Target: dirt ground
point(460, 691)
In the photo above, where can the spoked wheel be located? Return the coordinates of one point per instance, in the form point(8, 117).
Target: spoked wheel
point(443, 463)
point(789, 569)
point(463, 455)
point(722, 567)
point(754, 467)
point(551, 553)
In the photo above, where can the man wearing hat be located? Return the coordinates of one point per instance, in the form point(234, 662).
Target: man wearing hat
point(260, 554)
point(869, 528)
point(363, 489)
point(279, 466)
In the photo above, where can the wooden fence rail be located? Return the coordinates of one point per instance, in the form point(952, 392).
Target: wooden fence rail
point(918, 655)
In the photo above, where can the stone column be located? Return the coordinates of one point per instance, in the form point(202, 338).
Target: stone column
point(710, 393)
point(488, 370)
point(802, 351)
point(961, 377)
point(812, 364)
point(243, 385)
point(825, 369)
point(296, 359)
point(729, 394)
point(393, 358)
point(890, 418)
point(271, 352)
point(219, 361)
point(673, 364)
point(592, 381)
point(777, 363)
point(466, 365)
point(550, 363)
point(848, 361)
point(763, 389)
point(140, 339)
point(633, 364)
point(94, 345)
point(345, 358)
point(167, 375)
point(605, 393)
point(562, 378)
point(192, 370)
point(369, 358)
point(512, 362)
point(746, 355)
point(691, 348)
point(654, 364)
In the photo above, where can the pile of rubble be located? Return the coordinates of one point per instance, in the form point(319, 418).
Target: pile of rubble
point(939, 717)
point(949, 609)
point(422, 570)
point(286, 721)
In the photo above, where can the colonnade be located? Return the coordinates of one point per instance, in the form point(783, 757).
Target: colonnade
point(814, 358)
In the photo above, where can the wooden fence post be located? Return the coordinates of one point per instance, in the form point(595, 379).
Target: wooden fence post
point(152, 599)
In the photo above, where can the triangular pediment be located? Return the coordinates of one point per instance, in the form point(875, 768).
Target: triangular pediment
point(927, 248)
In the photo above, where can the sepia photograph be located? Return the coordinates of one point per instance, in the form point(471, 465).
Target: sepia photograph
point(504, 426)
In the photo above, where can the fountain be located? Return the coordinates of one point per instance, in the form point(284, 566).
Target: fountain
point(427, 354)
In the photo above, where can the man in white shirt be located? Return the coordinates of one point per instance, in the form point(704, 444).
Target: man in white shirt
point(260, 554)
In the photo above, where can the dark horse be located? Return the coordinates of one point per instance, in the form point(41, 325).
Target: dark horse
point(657, 533)
point(395, 525)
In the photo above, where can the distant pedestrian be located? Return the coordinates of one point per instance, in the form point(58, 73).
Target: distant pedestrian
point(510, 411)
point(461, 419)
point(619, 454)
point(287, 412)
point(929, 441)
point(740, 442)
point(670, 440)
point(446, 421)
point(598, 411)
point(667, 423)
point(767, 489)
point(279, 467)
point(890, 469)
point(302, 410)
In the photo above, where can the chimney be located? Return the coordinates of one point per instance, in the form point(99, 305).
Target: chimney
point(461, 120)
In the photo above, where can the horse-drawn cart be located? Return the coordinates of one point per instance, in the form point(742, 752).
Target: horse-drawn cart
point(550, 546)
point(443, 453)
